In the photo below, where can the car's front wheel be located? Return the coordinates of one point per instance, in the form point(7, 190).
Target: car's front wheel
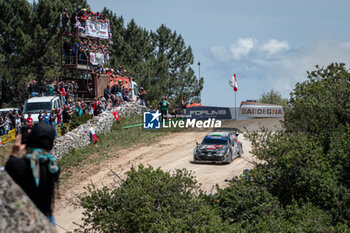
point(230, 157)
point(194, 159)
point(240, 152)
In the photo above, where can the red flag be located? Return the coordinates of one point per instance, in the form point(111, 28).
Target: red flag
point(116, 115)
point(235, 87)
point(233, 82)
point(93, 136)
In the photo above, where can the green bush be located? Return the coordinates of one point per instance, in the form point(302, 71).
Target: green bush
point(273, 97)
point(244, 201)
point(79, 120)
point(321, 105)
point(150, 200)
point(298, 168)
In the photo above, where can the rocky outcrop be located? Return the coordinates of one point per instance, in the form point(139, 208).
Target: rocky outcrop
point(80, 136)
point(17, 212)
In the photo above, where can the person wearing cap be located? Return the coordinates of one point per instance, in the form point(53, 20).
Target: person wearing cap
point(142, 94)
point(64, 18)
point(36, 172)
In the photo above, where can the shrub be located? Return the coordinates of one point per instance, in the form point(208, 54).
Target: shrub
point(150, 200)
point(79, 120)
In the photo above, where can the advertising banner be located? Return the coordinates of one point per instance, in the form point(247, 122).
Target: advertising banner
point(97, 29)
point(252, 111)
point(97, 59)
point(246, 111)
point(206, 112)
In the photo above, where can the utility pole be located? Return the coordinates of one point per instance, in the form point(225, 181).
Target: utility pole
point(199, 70)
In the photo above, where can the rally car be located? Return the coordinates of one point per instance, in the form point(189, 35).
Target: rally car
point(220, 146)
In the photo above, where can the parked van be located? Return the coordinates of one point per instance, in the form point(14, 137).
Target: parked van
point(4, 111)
point(45, 103)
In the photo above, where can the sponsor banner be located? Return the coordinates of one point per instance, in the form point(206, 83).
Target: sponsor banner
point(242, 113)
point(97, 29)
point(261, 111)
point(97, 59)
point(205, 112)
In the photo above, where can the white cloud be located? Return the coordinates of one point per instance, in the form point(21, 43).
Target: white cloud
point(245, 47)
point(283, 74)
point(274, 46)
point(220, 53)
point(242, 47)
point(268, 63)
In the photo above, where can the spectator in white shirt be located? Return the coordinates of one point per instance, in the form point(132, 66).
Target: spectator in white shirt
point(18, 123)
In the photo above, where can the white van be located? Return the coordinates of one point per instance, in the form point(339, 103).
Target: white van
point(45, 103)
point(4, 111)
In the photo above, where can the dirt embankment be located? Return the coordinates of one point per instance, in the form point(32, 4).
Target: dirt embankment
point(174, 151)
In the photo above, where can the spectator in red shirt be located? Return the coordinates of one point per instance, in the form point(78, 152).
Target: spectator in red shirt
point(96, 107)
point(59, 116)
point(29, 120)
point(62, 91)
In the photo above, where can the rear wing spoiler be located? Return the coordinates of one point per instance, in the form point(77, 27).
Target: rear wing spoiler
point(235, 130)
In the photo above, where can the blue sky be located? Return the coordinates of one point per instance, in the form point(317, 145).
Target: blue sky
point(267, 43)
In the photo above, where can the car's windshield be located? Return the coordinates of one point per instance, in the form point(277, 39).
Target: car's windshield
point(37, 107)
point(214, 141)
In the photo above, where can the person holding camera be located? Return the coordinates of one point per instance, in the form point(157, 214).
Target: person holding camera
point(36, 172)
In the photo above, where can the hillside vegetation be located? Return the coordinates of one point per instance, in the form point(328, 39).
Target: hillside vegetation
point(302, 187)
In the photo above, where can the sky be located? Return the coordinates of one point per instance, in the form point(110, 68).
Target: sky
point(268, 44)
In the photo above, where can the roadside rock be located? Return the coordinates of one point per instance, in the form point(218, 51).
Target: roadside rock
point(80, 136)
point(18, 213)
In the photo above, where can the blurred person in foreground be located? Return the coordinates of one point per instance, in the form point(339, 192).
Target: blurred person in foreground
point(36, 172)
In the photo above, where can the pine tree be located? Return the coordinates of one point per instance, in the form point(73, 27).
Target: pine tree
point(15, 30)
point(30, 49)
point(181, 80)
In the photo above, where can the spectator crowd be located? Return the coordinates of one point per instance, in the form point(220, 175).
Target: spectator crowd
point(78, 19)
point(81, 51)
point(115, 94)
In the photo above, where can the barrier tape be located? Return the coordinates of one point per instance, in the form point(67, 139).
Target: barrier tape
point(11, 136)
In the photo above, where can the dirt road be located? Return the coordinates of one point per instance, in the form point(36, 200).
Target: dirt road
point(174, 151)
